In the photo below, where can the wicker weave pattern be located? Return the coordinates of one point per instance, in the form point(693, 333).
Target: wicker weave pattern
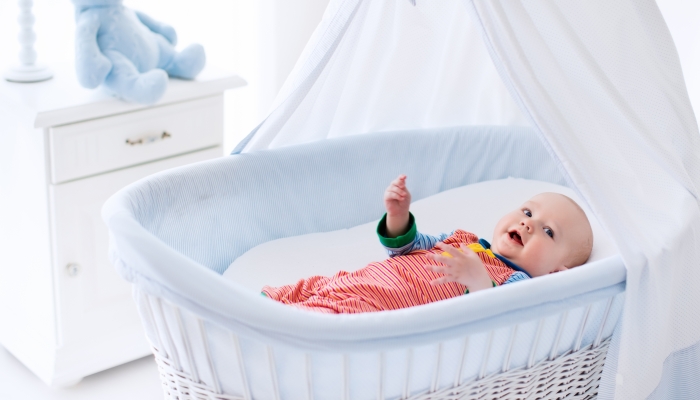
point(178, 385)
point(574, 375)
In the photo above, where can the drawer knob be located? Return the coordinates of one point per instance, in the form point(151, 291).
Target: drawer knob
point(73, 269)
point(148, 139)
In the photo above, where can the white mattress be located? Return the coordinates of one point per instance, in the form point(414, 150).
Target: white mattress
point(474, 208)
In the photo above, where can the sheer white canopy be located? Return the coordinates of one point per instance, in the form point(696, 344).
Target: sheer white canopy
point(389, 66)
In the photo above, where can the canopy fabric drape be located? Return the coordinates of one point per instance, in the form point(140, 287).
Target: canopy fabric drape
point(600, 81)
point(382, 66)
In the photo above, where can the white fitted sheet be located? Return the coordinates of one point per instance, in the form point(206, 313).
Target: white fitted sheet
point(475, 208)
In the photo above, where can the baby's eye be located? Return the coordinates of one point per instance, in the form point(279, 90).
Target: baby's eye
point(549, 232)
point(527, 212)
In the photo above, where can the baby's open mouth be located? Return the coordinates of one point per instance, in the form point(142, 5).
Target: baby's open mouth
point(515, 236)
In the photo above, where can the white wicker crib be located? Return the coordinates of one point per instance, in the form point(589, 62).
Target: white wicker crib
point(573, 374)
point(174, 233)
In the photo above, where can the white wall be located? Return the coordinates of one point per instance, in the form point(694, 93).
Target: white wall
point(285, 27)
point(683, 20)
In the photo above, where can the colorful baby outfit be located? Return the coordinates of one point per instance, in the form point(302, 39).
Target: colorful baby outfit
point(398, 282)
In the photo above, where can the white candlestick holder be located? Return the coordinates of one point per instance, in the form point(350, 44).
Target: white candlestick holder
point(28, 70)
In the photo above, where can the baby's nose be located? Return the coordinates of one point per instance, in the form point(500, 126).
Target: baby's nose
point(527, 226)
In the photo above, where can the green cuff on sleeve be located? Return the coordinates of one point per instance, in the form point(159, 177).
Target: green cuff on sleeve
point(492, 282)
point(399, 241)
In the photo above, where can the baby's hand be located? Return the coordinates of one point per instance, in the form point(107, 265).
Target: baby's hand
point(397, 198)
point(463, 266)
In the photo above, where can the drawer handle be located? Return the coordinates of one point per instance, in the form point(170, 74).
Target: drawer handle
point(148, 139)
point(73, 269)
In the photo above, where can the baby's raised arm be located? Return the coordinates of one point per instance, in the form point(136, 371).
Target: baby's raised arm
point(397, 200)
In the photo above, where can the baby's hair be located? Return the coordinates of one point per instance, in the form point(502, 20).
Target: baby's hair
point(581, 254)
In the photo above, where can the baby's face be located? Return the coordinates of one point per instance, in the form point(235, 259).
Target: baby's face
point(548, 233)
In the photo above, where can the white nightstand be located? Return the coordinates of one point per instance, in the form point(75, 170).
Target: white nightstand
point(64, 311)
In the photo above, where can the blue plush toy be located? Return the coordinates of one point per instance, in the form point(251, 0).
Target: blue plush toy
point(128, 51)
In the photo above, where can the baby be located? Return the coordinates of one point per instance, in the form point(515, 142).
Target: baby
point(548, 233)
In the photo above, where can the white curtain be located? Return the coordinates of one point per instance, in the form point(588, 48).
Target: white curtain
point(599, 79)
point(383, 65)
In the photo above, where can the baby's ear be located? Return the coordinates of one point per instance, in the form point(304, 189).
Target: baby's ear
point(559, 269)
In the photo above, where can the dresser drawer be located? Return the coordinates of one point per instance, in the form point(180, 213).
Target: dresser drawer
point(92, 147)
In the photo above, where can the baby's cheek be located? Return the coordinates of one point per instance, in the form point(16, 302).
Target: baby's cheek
point(541, 254)
point(554, 257)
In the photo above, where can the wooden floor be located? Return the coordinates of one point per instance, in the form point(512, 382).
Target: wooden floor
point(137, 380)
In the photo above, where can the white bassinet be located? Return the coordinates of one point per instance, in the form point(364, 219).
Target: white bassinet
point(598, 83)
point(175, 232)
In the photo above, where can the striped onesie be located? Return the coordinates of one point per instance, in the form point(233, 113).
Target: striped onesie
point(398, 282)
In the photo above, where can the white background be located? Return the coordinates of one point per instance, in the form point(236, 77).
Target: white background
point(261, 40)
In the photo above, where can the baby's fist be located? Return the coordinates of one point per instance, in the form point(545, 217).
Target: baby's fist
point(397, 198)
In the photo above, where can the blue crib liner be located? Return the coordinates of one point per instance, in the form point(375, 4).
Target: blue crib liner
point(172, 234)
